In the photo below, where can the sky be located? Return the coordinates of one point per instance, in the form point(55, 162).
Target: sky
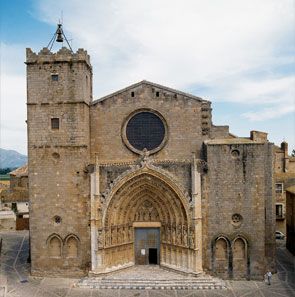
point(238, 54)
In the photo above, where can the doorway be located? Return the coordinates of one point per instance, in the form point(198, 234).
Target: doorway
point(147, 246)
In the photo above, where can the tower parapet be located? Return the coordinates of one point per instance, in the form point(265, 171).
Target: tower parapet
point(63, 55)
point(61, 77)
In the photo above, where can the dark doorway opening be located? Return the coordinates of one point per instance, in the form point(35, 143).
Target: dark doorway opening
point(153, 256)
point(147, 246)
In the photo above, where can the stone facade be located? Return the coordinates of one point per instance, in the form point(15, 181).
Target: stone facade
point(290, 218)
point(15, 198)
point(284, 178)
point(95, 189)
point(17, 191)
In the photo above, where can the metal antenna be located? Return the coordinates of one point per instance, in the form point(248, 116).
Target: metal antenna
point(58, 36)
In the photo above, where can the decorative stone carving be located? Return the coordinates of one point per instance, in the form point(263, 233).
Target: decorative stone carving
point(184, 232)
point(146, 212)
point(130, 233)
point(107, 237)
point(145, 165)
point(237, 220)
point(192, 237)
point(145, 160)
point(179, 235)
point(100, 238)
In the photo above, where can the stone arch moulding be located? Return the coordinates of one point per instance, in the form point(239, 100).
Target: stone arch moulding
point(72, 246)
point(222, 267)
point(236, 272)
point(147, 197)
point(244, 270)
point(54, 246)
point(153, 171)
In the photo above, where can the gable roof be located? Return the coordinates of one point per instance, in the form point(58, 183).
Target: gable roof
point(21, 171)
point(291, 189)
point(148, 83)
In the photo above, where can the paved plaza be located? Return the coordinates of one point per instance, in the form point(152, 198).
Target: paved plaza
point(15, 273)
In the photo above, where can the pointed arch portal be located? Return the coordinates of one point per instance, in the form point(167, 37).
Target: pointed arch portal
point(146, 220)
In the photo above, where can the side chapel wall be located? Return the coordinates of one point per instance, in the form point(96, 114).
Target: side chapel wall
point(238, 201)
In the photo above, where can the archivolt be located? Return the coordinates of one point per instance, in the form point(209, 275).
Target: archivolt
point(146, 188)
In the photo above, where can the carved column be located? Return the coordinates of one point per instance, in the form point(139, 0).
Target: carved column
point(96, 260)
point(197, 215)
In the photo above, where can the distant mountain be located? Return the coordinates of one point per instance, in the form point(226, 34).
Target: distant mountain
point(11, 159)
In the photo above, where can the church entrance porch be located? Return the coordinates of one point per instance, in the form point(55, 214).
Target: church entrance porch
point(146, 220)
point(147, 246)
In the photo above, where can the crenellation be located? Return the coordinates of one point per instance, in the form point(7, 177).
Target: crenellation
point(45, 56)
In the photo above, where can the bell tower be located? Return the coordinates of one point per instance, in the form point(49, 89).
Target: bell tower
point(59, 92)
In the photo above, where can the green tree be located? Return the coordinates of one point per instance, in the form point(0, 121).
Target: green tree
point(293, 153)
point(5, 170)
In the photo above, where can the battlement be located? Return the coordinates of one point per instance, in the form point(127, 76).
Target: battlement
point(63, 55)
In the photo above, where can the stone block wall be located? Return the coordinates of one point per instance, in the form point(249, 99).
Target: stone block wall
point(57, 157)
point(238, 210)
point(186, 119)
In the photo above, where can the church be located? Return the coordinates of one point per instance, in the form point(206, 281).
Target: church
point(140, 177)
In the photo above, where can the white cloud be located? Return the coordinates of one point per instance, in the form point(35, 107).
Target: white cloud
point(262, 91)
point(13, 98)
point(269, 113)
point(235, 50)
point(218, 44)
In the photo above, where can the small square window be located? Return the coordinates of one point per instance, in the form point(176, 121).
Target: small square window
point(54, 77)
point(55, 123)
point(279, 188)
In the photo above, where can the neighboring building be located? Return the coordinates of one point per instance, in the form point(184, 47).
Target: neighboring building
point(290, 218)
point(284, 178)
point(7, 217)
point(3, 186)
point(7, 220)
point(141, 176)
point(16, 197)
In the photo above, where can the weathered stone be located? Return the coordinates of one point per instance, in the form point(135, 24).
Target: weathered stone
point(211, 194)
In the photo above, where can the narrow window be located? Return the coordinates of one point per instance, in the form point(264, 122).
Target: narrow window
point(279, 188)
point(54, 77)
point(157, 94)
point(55, 123)
point(279, 210)
point(132, 94)
point(14, 206)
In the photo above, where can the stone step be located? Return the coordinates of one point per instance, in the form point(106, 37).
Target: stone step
point(176, 284)
point(148, 281)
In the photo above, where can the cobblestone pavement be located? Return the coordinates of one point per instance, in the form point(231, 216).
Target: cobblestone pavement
point(15, 269)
